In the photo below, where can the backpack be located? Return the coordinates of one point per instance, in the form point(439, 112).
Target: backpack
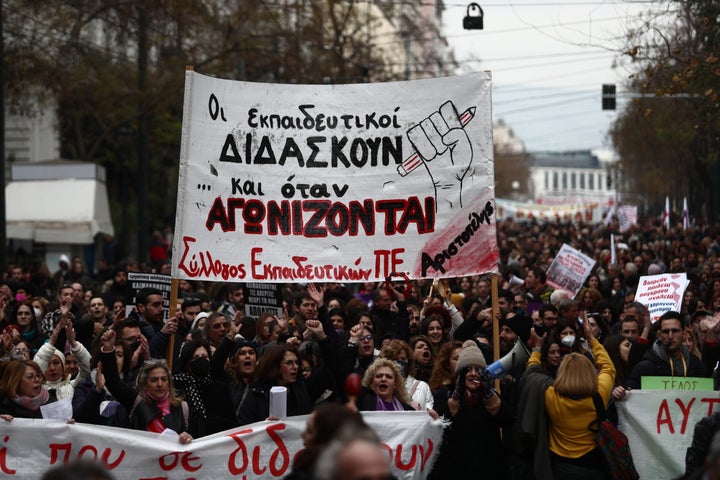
point(613, 444)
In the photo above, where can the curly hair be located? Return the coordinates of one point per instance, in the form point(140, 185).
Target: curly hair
point(400, 390)
point(394, 348)
point(442, 374)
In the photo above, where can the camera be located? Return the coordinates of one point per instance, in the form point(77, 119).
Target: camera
point(539, 329)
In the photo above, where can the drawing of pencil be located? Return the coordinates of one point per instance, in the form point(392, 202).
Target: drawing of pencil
point(414, 160)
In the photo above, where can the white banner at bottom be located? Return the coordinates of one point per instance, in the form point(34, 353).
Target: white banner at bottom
point(261, 450)
point(659, 425)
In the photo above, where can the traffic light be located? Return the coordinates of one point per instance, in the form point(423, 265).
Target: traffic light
point(608, 96)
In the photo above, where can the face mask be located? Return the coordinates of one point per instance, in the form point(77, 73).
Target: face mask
point(404, 366)
point(568, 341)
point(200, 367)
point(37, 312)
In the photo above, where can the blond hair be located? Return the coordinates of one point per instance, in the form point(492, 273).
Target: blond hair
point(576, 376)
point(400, 390)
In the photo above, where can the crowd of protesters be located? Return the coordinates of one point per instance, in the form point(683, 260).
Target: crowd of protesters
point(419, 345)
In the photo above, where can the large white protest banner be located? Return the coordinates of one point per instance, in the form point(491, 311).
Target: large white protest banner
point(659, 425)
point(569, 269)
point(283, 183)
point(660, 293)
point(261, 450)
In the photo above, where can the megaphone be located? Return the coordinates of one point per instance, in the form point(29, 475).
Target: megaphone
point(515, 281)
point(516, 357)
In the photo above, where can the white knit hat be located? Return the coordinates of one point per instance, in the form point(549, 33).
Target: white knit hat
point(470, 355)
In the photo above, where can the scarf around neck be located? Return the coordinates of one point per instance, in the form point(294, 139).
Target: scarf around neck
point(383, 406)
point(192, 393)
point(163, 404)
point(33, 403)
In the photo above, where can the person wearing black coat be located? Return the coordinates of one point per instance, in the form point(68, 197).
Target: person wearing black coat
point(698, 450)
point(279, 366)
point(209, 399)
point(471, 444)
point(667, 357)
point(153, 403)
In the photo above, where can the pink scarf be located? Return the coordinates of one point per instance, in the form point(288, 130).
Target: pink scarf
point(33, 403)
point(163, 404)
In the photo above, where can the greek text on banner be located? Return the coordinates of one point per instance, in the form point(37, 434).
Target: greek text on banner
point(349, 183)
point(261, 450)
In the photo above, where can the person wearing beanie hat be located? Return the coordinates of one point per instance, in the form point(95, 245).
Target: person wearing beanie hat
point(470, 355)
point(512, 328)
point(472, 444)
point(199, 321)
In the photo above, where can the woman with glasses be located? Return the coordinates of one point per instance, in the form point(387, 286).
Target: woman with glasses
point(359, 351)
point(26, 322)
point(280, 366)
point(153, 403)
point(21, 390)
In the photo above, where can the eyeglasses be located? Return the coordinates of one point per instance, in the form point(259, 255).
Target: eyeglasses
point(219, 325)
point(668, 331)
point(365, 338)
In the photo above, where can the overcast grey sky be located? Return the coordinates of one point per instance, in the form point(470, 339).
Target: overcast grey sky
point(549, 60)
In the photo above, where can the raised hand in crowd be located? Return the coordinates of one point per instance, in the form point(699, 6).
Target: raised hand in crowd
point(537, 341)
point(587, 331)
point(56, 333)
point(355, 333)
point(294, 341)
point(282, 322)
point(108, 340)
point(65, 306)
point(140, 354)
point(315, 327)
point(119, 317)
point(70, 333)
point(317, 294)
point(171, 325)
point(713, 328)
point(99, 378)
